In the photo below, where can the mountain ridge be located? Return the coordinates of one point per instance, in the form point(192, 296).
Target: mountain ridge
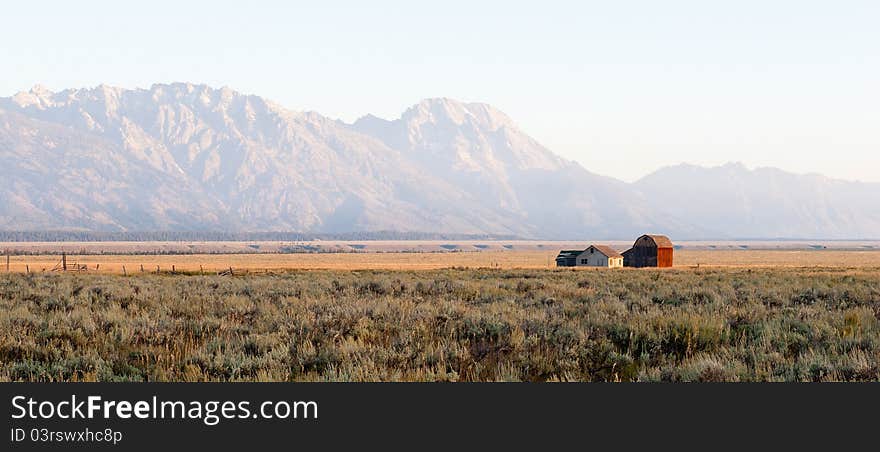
point(190, 157)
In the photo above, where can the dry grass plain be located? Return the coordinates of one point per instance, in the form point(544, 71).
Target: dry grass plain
point(725, 313)
point(527, 259)
point(706, 324)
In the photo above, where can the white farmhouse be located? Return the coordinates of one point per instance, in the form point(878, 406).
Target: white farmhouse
point(594, 256)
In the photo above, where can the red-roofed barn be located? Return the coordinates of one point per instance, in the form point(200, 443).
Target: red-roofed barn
point(649, 250)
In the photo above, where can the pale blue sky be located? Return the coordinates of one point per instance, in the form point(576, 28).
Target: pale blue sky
point(622, 87)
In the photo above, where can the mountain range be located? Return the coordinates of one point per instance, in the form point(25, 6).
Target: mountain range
point(183, 157)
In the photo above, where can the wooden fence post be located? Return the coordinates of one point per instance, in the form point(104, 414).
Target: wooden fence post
point(173, 269)
point(7, 261)
point(142, 268)
point(27, 269)
point(123, 271)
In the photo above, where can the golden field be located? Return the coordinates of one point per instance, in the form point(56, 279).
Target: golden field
point(385, 313)
point(689, 324)
point(527, 259)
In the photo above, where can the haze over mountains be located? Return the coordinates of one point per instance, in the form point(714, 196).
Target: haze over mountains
point(192, 158)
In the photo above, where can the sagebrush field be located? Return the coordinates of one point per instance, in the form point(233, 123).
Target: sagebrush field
point(786, 324)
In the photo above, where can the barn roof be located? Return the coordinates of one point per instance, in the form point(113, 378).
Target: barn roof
point(606, 250)
point(569, 253)
point(661, 240)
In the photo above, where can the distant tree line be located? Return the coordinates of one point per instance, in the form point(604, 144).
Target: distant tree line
point(197, 236)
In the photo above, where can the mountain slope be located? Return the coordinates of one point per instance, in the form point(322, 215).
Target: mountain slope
point(482, 150)
point(268, 168)
point(54, 177)
point(732, 201)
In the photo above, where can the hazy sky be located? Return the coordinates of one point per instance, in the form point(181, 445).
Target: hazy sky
point(622, 87)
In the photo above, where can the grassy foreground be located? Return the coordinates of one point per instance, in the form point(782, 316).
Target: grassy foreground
point(459, 325)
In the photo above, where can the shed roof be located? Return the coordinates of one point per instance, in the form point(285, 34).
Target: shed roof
point(661, 240)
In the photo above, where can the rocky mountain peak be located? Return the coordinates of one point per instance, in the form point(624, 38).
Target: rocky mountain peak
point(444, 110)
